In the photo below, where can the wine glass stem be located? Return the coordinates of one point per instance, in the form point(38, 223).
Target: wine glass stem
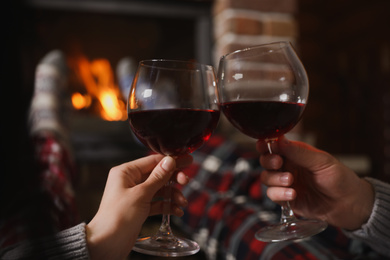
point(269, 142)
point(165, 231)
point(287, 214)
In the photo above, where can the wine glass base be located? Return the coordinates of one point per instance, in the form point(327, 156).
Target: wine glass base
point(297, 229)
point(169, 247)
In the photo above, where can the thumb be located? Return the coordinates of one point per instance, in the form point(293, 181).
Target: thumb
point(305, 155)
point(160, 175)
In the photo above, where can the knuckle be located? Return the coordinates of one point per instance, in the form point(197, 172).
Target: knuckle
point(159, 174)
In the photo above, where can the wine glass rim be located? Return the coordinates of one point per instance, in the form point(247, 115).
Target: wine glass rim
point(155, 63)
point(282, 44)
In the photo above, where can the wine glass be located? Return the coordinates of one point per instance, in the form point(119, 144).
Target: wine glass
point(263, 91)
point(172, 109)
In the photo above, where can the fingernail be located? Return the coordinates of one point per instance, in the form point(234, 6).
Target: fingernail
point(288, 194)
point(168, 163)
point(284, 179)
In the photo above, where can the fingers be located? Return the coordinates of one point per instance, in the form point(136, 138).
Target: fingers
point(164, 171)
point(281, 194)
point(278, 182)
point(182, 162)
point(278, 185)
point(139, 170)
point(142, 166)
point(178, 201)
point(166, 168)
point(160, 175)
point(271, 161)
point(181, 178)
point(178, 198)
point(299, 153)
point(148, 175)
point(272, 178)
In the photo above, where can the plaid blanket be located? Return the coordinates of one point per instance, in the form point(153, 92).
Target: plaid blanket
point(50, 206)
point(227, 205)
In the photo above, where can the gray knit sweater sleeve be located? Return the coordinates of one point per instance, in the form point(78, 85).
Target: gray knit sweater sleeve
point(67, 244)
point(376, 232)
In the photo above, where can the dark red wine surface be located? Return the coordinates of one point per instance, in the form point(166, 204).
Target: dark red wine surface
point(173, 131)
point(263, 119)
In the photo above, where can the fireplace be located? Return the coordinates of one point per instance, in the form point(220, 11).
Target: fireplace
point(111, 31)
point(102, 35)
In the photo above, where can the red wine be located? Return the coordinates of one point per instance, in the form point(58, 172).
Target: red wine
point(263, 119)
point(173, 131)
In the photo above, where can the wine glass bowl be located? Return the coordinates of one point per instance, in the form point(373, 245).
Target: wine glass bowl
point(263, 91)
point(172, 109)
point(172, 106)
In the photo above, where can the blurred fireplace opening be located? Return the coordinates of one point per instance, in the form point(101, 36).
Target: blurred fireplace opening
point(111, 31)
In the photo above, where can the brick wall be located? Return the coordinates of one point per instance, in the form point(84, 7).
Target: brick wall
point(243, 23)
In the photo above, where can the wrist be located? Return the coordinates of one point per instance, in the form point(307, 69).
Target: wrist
point(363, 205)
point(101, 241)
point(95, 242)
point(110, 239)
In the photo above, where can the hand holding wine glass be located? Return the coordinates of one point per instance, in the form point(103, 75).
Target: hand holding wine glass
point(173, 110)
point(317, 184)
point(129, 198)
point(263, 91)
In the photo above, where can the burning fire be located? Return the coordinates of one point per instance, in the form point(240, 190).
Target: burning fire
point(99, 82)
point(80, 101)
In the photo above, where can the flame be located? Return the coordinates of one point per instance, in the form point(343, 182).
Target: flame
point(113, 108)
point(98, 79)
point(80, 101)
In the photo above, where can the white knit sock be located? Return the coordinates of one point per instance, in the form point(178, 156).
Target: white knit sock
point(47, 108)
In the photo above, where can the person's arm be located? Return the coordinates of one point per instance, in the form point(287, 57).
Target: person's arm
point(319, 186)
point(127, 202)
point(68, 244)
point(376, 232)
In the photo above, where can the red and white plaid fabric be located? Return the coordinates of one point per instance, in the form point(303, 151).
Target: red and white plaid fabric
point(55, 175)
point(228, 204)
